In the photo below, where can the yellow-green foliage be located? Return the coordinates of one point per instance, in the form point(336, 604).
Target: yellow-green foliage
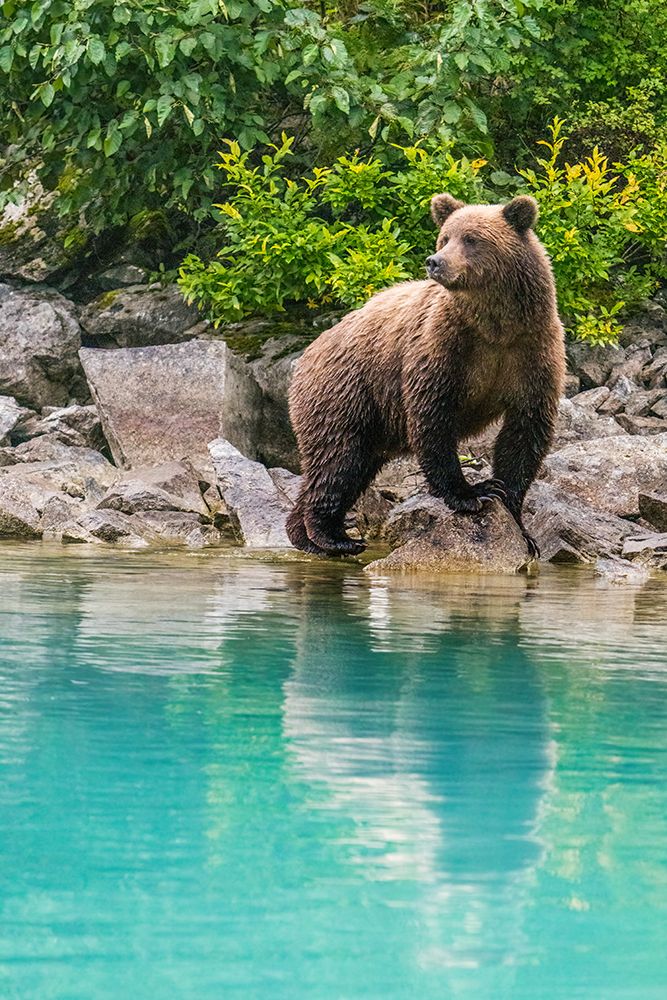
point(604, 228)
point(341, 233)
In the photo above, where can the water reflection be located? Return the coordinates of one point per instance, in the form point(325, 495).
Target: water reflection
point(399, 787)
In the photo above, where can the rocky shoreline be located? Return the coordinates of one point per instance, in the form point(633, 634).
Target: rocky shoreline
point(126, 420)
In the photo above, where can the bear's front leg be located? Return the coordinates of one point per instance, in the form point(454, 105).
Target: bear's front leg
point(445, 478)
point(520, 448)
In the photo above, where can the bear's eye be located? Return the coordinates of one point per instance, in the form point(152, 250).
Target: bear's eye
point(470, 239)
point(444, 240)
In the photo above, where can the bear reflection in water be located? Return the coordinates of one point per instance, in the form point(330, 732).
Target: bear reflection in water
point(425, 724)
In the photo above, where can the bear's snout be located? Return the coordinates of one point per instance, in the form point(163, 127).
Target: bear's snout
point(434, 267)
point(440, 270)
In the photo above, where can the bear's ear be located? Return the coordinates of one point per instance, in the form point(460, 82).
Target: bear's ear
point(442, 206)
point(521, 213)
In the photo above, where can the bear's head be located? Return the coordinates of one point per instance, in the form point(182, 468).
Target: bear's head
point(480, 245)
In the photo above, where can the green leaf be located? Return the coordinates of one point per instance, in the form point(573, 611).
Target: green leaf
point(96, 51)
point(451, 112)
point(310, 54)
point(341, 98)
point(6, 58)
point(47, 94)
point(187, 46)
point(500, 178)
point(482, 59)
point(479, 118)
point(165, 49)
point(113, 141)
point(164, 107)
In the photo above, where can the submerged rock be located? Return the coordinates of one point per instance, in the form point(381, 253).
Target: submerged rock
point(649, 549)
point(39, 344)
point(109, 526)
point(172, 528)
point(431, 537)
point(160, 404)
point(621, 571)
point(258, 507)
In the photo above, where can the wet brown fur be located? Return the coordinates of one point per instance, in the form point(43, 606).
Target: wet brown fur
point(427, 364)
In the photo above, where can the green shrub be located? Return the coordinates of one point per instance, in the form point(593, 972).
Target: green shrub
point(604, 230)
point(340, 234)
point(118, 105)
point(336, 236)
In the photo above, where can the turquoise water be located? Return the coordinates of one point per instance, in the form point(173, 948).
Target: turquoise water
point(228, 778)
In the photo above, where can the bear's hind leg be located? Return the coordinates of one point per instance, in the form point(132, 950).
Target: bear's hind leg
point(296, 531)
point(328, 497)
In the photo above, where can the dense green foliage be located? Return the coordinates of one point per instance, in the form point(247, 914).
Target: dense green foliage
point(120, 106)
point(341, 233)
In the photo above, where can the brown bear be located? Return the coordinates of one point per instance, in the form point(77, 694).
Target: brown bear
point(426, 364)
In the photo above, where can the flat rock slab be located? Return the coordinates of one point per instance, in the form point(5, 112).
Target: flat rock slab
point(568, 530)
point(610, 473)
point(442, 541)
point(173, 486)
point(73, 425)
point(162, 404)
point(257, 505)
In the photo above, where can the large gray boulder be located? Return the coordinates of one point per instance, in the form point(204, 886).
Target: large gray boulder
point(258, 506)
point(39, 497)
point(431, 537)
point(274, 371)
point(162, 404)
point(582, 423)
point(39, 344)
point(140, 316)
point(568, 530)
point(609, 473)
point(36, 243)
point(593, 364)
